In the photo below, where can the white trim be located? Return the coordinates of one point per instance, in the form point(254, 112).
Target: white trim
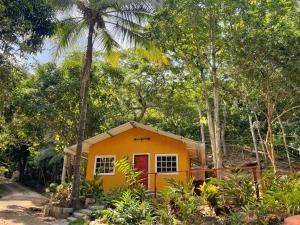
point(148, 154)
point(104, 156)
point(167, 173)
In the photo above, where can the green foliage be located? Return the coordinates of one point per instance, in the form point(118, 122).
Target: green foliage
point(282, 194)
point(179, 203)
point(237, 190)
point(131, 174)
point(79, 222)
point(113, 194)
point(24, 24)
point(92, 188)
point(129, 210)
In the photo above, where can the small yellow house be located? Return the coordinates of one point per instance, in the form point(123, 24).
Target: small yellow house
point(156, 154)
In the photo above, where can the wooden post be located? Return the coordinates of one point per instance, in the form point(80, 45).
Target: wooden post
point(261, 180)
point(254, 140)
point(155, 185)
point(63, 175)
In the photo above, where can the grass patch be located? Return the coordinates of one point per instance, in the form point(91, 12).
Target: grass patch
point(79, 222)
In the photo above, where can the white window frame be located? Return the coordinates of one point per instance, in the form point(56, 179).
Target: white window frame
point(167, 173)
point(104, 156)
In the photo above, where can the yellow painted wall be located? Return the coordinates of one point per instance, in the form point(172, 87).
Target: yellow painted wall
point(123, 145)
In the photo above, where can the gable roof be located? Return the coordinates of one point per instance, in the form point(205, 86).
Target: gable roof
point(195, 148)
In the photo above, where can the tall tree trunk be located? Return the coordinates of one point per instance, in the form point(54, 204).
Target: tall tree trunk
point(201, 126)
point(285, 144)
point(216, 101)
point(84, 87)
point(223, 131)
point(260, 138)
point(210, 122)
point(269, 136)
point(254, 141)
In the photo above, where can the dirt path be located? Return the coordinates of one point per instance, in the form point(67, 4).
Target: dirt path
point(20, 206)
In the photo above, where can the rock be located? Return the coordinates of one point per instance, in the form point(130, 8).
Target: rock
point(97, 223)
point(48, 219)
point(67, 211)
point(85, 211)
point(97, 207)
point(89, 201)
point(61, 222)
point(93, 223)
point(79, 215)
point(71, 218)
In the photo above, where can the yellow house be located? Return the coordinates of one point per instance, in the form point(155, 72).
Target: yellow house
point(155, 153)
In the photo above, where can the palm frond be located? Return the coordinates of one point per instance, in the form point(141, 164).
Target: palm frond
point(107, 42)
point(67, 33)
point(61, 4)
point(132, 10)
point(127, 35)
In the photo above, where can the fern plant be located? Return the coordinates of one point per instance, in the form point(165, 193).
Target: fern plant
point(129, 209)
point(130, 173)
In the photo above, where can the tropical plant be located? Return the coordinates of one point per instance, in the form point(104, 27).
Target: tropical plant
point(282, 194)
point(179, 203)
point(131, 175)
point(106, 22)
point(129, 209)
point(62, 194)
point(92, 188)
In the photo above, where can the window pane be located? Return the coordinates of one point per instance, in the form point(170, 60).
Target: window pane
point(174, 169)
point(173, 158)
point(105, 165)
point(174, 164)
point(158, 169)
point(169, 164)
point(163, 164)
point(168, 158)
point(158, 158)
point(163, 158)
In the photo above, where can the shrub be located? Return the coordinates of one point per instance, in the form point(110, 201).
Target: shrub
point(282, 194)
point(61, 194)
point(128, 210)
point(92, 188)
point(179, 203)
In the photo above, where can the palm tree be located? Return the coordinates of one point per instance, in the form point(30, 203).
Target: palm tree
point(108, 23)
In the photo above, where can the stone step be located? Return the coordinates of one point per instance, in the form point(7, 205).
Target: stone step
point(86, 211)
point(79, 215)
point(97, 207)
point(71, 218)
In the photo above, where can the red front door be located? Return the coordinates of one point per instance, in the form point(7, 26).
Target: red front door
point(141, 164)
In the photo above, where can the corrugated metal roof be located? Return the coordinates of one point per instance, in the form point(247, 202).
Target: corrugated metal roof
point(194, 147)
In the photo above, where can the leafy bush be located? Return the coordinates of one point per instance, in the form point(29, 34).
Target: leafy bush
point(128, 210)
point(235, 191)
point(179, 203)
point(62, 195)
point(282, 194)
point(92, 188)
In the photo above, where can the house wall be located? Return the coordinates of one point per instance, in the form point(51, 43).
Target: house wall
point(123, 145)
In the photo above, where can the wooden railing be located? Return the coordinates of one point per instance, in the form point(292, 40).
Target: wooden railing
point(199, 174)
